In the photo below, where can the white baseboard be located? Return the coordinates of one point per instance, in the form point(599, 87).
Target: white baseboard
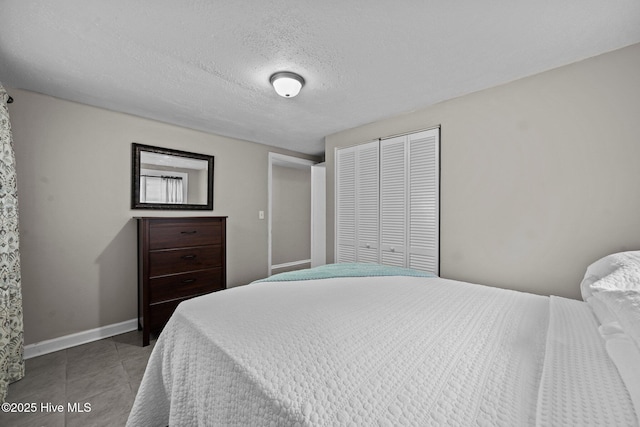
point(290, 264)
point(67, 341)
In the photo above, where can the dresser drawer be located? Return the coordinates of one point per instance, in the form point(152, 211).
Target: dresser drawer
point(187, 284)
point(159, 314)
point(178, 258)
point(174, 261)
point(185, 233)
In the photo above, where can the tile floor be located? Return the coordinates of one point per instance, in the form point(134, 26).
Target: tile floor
point(105, 374)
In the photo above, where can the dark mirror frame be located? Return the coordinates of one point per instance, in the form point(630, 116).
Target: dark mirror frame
point(136, 151)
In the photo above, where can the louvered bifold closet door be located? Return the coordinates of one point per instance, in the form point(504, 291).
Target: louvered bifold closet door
point(393, 212)
point(346, 205)
point(424, 199)
point(367, 203)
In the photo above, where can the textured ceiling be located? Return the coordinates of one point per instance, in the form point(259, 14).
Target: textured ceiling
point(205, 64)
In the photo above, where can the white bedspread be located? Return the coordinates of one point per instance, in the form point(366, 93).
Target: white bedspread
point(359, 351)
point(580, 385)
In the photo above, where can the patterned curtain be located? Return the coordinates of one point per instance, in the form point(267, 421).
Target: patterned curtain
point(11, 332)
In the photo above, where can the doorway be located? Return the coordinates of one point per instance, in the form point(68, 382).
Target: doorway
point(290, 236)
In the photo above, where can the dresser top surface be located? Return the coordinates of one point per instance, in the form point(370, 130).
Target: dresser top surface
point(178, 217)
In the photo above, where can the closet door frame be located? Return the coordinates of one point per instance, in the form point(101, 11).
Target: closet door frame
point(411, 250)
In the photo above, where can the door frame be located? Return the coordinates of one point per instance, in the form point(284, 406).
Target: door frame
point(276, 159)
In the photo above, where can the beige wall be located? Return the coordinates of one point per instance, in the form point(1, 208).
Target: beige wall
point(78, 237)
point(291, 210)
point(540, 176)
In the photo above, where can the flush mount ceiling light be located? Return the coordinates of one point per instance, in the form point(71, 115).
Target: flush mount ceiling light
point(287, 84)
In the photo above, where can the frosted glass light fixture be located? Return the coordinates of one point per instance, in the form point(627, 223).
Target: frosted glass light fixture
point(287, 84)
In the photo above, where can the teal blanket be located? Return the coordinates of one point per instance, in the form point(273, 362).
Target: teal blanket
point(345, 270)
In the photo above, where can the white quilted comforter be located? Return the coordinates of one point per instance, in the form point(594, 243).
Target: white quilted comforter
point(377, 351)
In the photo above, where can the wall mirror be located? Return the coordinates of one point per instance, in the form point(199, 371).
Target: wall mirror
point(170, 179)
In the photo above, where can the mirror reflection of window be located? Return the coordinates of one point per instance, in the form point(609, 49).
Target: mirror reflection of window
point(155, 187)
point(170, 179)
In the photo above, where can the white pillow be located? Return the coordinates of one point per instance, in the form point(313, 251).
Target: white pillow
point(616, 296)
point(611, 287)
point(605, 267)
point(625, 305)
point(601, 311)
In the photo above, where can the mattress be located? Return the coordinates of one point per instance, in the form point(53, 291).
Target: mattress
point(380, 351)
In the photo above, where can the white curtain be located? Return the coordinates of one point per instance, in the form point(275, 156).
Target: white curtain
point(161, 189)
point(172, 189)
point(11, 326)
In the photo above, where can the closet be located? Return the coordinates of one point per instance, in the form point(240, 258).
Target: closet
point(387, 201)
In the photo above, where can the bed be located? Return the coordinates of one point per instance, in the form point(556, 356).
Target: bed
point(368, 345)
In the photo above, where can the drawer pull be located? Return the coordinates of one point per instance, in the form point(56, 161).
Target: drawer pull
point(188, 281)
point(189, 232)
point(189, 257)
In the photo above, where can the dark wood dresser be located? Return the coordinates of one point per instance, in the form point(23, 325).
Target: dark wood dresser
point(178, 259)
